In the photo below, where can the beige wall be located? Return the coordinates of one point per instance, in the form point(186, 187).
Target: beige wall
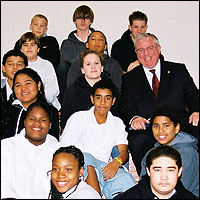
point(175, 23)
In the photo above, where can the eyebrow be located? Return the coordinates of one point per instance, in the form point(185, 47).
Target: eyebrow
point(105, 95)
point(156, 167)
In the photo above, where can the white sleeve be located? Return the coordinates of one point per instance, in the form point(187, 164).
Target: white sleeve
point(72, 131)
point(121, 133)
point(7, 191)
point(50, 82)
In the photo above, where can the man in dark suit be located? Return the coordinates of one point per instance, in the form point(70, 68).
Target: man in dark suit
point(176, 87)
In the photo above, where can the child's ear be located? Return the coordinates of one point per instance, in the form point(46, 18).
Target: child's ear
point(3, 69)
point(92, 99)
point(177, 128)
point(113, 101)
point(39, 86)
point(81, 171)
point(148, 172)
point(86, 45)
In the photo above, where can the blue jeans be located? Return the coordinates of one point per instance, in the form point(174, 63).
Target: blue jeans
point(121, 182)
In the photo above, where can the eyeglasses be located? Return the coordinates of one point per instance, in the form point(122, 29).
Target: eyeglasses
point(49, 173)
point(149, 49)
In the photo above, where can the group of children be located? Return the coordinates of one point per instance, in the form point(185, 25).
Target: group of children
point(76, 151)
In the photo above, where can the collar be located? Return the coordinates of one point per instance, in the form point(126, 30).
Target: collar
point(80, 38)
point(8, 90)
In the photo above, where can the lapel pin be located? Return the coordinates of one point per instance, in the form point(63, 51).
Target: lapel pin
point(168, 72)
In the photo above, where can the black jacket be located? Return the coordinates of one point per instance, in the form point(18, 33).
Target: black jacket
point(143, 191)
point(123, 50)
point(77, 98)
point(49, 49)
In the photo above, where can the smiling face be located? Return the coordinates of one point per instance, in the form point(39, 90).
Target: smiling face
point(164, 130)
point(97, 42)
point(65, 171)
point(163, 174)
point(37, 125)
point(26, 89)
point(148, 52)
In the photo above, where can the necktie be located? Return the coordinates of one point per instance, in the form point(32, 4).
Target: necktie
point(155, 83)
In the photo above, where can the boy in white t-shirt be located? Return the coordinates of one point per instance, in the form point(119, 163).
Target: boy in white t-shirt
point(96, 132)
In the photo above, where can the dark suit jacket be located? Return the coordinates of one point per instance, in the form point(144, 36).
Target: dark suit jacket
point(176, 88)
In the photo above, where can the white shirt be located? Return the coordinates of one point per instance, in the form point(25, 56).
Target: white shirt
point(47, 73)
point(8, 89)
point(81, 191)
point(83, 131)
point(24, 167)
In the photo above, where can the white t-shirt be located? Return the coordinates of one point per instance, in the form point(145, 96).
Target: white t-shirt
point(83, 131)
point(82, 191)
point(24, 167)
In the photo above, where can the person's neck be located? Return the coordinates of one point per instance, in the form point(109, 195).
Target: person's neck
point(101, 119)
point(82, 34)
point(132, 38)
point(32, 59)
point(91, 82)
point(10, 83)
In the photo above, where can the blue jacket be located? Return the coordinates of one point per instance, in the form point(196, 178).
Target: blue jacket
point(186, 145)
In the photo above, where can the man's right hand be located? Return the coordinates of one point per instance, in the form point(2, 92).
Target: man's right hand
point(138, 123)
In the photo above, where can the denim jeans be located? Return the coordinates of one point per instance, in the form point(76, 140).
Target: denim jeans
point(122, 181)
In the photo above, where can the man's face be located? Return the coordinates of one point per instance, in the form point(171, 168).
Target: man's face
point(164, 130)
point(137, 27)
point(38, 26)
point(148, 52)
point(164, 175)
point(12, 65)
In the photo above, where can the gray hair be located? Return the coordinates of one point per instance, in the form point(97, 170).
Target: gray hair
point(145, 35)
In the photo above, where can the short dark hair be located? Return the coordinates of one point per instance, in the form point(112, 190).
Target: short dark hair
point(16, 53)
point(105, 83)
point(42, 105)
point(137, 15)
point(83, 12)
point(28, 36)
point(166, 151)
point(167, 111)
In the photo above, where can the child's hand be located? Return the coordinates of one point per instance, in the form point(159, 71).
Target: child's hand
point(110, 170)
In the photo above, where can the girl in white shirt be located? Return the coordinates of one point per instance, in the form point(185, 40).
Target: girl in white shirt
point(67, 170)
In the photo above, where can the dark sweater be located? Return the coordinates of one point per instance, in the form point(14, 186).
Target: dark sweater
point(123, 50)
point(77, 98)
